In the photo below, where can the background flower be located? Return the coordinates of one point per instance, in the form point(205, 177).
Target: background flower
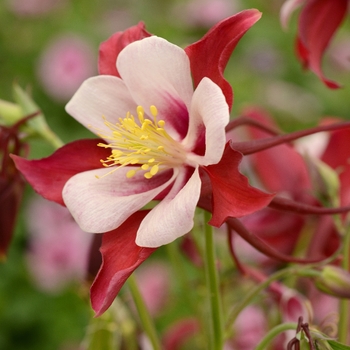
point(64, 64)
point(33, 7)
point(58, 251)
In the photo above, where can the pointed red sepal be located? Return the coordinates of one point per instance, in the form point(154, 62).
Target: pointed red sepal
point(318, 22)
point(232, 194)
point(120, 257)
point(48, 175)
point(110, 49)
point(209, 56)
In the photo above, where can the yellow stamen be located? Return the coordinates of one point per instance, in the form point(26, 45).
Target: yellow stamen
point(139, 140)
point(154, 110)
point(154, 169)
point(130, 173)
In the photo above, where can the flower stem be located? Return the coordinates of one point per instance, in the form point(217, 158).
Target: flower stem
point(145, 318)
point(212, 281)
point(273, 333)
point(343, 325)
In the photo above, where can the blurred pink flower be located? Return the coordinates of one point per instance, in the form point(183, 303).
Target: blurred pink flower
point(33, 7)
point(64, 65)
point(154, 285)
point(250, 328)
point(206, 13)
point(58, 248)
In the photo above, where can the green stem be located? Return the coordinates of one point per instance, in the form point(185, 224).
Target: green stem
point(180, 273)
point(343, 325)
point(145, 318)
point(274, 332)
point(212, 281)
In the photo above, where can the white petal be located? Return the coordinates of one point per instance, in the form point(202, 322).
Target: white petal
point(99, 96)
point(158, 73)
point(210, 113)
point(173, 216)
point(101, 205)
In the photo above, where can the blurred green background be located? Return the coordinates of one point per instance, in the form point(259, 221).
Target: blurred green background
point(263, 71)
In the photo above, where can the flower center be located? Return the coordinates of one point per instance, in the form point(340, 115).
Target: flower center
point(141, 141)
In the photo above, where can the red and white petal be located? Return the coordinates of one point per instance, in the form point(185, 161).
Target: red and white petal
point(287, 9)
point(173, 216)
point(110, 49)
point(98, 97)
point(209, 115)
point(102, 204)
point(157, 72)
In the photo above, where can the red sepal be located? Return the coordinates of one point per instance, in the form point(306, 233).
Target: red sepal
point(232, 194)
point(318, 22)
point(110, 49)
point(209, 56)
point(48, 175)
point(120, 257)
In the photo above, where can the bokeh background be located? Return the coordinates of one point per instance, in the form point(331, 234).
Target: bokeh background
point(49, 47)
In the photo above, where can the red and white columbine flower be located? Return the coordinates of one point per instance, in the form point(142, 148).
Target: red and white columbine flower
point(161, 138)
point(158, 132)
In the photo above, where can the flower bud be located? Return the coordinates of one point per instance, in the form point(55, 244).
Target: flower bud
point(10, 112)
point(38, 125)
point(334, 281)
point(325, 181)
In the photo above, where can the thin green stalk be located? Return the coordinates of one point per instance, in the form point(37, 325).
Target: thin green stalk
point(212, 281)
point(343, 325)
point(145, 318)
point(274, 332)
point(179, 268)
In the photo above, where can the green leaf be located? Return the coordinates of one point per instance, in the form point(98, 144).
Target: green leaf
point(337, 346)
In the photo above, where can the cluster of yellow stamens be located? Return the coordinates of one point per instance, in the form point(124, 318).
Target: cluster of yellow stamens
point(141, 141)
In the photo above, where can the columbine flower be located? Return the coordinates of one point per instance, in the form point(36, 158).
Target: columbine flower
point(157, 132)
point(167, 133)
point(318, 22)
point(161, 139)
